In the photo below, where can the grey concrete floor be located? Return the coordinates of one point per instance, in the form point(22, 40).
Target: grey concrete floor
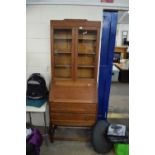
point(69, 148)
point(119, 98)
point(118, 103)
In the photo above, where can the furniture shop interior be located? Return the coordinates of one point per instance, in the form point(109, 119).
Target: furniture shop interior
point(67, 59)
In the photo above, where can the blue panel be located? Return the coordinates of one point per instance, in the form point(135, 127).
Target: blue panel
point(106, 60)
point(102, 69)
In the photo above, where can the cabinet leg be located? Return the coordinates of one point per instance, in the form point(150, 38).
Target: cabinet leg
point(51, 132)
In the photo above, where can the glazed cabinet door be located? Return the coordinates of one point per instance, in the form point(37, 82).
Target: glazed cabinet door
point(87, 47)
point(62, 50)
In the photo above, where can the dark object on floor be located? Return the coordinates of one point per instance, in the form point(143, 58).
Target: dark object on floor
point(124, 76)
point(36, 87)
point(30, 149)
point(99, 139)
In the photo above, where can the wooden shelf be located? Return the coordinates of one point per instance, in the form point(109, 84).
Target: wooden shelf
point(85, 39)
point(85, 78)
point(88, 37)
point(86, 66)
point(63, 78)
point(62, 66)
point(63, 37)
point(61, 52)
point(82, 53)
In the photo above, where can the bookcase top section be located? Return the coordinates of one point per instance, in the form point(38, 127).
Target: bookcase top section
point(75, 23)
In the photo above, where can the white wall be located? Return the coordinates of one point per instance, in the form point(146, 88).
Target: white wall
point(120, 29)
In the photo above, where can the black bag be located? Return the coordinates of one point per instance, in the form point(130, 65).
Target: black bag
point(36, 87)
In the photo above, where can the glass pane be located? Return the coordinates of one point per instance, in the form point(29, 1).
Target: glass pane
point(62, 40)
point(87, 41)
point(85, 73)
point(62, 59)
point(86, 53)
point(86, 60)
point(87, 34)
point(62, 34)
point(61, 72)
point(62, 52)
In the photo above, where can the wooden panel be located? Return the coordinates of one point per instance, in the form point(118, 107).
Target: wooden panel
point(74, 108)
point(86, 93)
point(73, 119)
point(82, 83)
point(75, 23)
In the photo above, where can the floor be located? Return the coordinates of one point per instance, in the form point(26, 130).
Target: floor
point(119, 98)
point(119, 101)
point(69, 148)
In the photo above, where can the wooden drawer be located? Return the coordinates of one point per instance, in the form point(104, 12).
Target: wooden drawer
point(74, 108)
point(73, 119)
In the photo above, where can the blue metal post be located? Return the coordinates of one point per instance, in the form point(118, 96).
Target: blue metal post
point(106, 60)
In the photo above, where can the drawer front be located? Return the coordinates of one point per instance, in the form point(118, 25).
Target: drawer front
point(74, 108)
point(73, 119)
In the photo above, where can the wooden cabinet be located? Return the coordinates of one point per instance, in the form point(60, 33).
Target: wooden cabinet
point(74, 63)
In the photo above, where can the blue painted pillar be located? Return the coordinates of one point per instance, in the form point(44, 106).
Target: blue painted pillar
point(106, 61)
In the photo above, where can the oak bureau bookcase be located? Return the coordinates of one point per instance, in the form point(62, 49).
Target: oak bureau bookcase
point(74, 63)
